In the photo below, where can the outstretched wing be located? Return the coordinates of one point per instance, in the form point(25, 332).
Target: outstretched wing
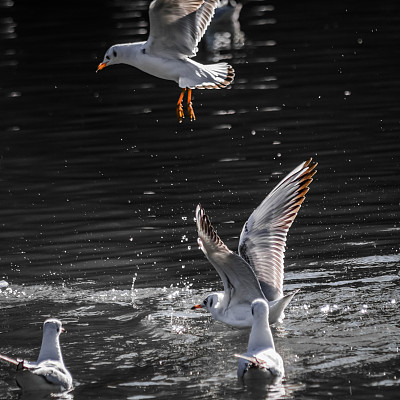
point(263, 239)
point(240, 283)
point(176, 26)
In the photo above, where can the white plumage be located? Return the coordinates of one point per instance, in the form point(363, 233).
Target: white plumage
point(261, 359)
point(257, 271)
point(48, 373)
point(176, 27)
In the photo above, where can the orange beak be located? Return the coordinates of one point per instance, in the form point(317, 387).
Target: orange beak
point(196, 307)
point(101, 66)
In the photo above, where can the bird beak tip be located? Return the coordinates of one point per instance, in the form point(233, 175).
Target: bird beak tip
point(101, 66)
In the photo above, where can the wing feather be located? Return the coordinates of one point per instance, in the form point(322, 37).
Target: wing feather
point(263, 239)
point(54, 372)
point(239, 280)
point(176, 26)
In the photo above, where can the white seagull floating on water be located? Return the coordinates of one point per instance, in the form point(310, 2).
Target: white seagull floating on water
point(48, 373)
point(176, 27)
point(261, 359)
point(257, 271)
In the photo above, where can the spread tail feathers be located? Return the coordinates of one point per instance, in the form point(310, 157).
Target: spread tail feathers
point(278, 306)
point(212, 76)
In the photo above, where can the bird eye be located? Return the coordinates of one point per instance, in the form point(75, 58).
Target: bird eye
point(114, 53)
point(211, 302)
point(107, 57)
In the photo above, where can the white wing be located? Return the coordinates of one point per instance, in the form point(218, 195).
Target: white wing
point(176, 26)
point(240, 283)
point(54, 372)
point(268, 360)
point(263, 239)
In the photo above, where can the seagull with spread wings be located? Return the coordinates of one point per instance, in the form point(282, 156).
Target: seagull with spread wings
point(176, 27)
point(257, 271)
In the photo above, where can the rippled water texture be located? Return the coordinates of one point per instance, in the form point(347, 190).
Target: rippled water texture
point(99, 184)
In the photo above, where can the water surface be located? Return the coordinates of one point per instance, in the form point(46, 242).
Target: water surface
point(99, 184)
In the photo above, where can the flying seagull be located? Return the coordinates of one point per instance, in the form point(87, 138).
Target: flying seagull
point(176, 27)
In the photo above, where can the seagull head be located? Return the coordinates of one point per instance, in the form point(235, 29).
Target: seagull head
point(53, 325)
point(111, 57)
point(208, 303)
point(260, 309)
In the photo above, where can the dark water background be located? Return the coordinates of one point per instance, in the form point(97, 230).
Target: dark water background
point(99, 183)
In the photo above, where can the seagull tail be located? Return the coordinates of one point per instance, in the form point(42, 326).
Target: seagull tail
point(212, 76)
point(277, 307)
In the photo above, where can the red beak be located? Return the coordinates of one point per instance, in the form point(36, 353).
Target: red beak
point(101, 66)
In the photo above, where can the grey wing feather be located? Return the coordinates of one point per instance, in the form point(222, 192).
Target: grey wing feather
point(54, 373)
point(247, 358)
point(176, 26)
point(237, 276)
point(263, 239)
point(268, 359)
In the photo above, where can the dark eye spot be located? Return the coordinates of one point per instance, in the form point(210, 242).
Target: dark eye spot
point(107, 57)
point(114, 53)
point(144, 51)
point(211, 302)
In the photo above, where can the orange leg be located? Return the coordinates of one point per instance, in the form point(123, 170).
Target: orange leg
point(179, 108)
point(190, 106)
